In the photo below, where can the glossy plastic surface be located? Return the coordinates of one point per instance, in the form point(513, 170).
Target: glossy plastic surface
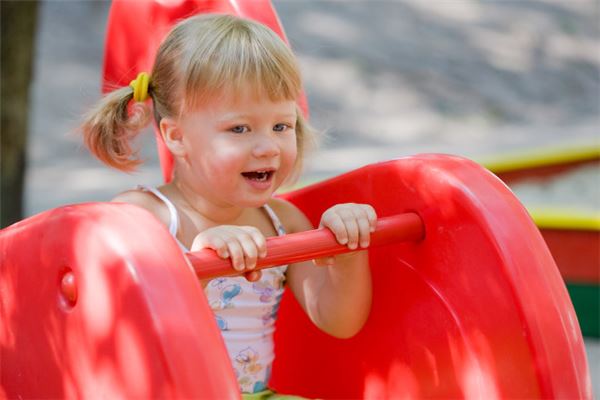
point(136, 28)
point(97, 301)
point(477, 309)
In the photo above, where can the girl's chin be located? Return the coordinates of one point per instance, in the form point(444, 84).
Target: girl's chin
point(253, 200)
point(257, 201)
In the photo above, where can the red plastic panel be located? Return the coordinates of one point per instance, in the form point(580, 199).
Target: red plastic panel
point(133, 323)
point(136, 29)
point(476, 310)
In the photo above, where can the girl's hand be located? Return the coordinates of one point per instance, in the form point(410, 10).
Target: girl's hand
point(351, 224)
point(242, 244)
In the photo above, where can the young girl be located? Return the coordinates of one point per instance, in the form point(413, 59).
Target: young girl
point(224, 92)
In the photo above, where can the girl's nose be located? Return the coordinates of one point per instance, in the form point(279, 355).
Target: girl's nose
point(265, 146)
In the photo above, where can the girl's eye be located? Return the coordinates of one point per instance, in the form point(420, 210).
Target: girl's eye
point(239, 129)
point(281, 127)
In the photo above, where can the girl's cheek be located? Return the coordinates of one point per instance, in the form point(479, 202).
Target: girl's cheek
point(228, 152)
point(288, 154)
point(288, 161)
point(291, 149)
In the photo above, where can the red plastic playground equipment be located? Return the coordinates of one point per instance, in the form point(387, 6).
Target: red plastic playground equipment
point(476, 308)
point(97, 300)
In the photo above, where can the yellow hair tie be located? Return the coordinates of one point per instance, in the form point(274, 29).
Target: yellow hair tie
point(140, 86)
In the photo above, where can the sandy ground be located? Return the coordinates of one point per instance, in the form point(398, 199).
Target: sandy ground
point(384, 79)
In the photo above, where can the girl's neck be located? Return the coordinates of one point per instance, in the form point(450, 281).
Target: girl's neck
point(221, 214)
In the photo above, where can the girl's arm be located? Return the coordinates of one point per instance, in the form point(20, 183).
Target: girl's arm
point(335, 293)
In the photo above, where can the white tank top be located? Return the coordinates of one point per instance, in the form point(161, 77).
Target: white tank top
point(245, 311)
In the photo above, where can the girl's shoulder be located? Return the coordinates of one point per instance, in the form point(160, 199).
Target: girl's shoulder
point(292, 218)
point(146, 200)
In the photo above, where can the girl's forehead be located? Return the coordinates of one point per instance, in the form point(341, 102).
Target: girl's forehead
point(245, 90)
point(230, 99)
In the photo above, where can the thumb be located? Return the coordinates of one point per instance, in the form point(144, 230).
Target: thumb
point(253, 276)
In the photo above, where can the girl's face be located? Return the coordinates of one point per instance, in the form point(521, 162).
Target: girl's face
point(238, 149)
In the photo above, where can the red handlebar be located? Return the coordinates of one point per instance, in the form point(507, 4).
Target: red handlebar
point(308, 245)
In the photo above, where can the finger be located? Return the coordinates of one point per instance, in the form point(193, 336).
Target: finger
point(253, 276)
point(364, 229)
point(351, 225)
point(259, 240)
point(215, 243)
point(372, 216)
point(236, 253)
point(249, 248)
point(220, 246)
point(336, 225)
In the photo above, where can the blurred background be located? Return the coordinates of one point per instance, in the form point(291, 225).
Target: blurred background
point(384, 79)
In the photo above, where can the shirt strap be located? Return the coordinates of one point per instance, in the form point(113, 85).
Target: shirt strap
point(173, 215)
point(275, 220)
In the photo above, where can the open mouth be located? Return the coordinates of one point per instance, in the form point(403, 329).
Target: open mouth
point(258, 176)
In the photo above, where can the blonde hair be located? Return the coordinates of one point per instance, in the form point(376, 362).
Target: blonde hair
point(202, 57)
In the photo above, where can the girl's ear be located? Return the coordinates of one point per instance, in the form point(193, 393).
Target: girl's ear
point(172, 135)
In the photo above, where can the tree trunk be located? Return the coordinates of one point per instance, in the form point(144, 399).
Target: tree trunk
point(18, 21)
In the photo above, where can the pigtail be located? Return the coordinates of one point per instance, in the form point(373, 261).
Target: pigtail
point(110, 126)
